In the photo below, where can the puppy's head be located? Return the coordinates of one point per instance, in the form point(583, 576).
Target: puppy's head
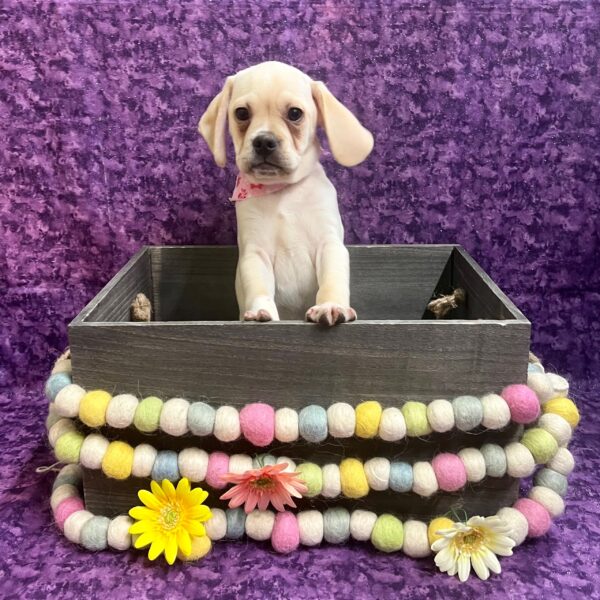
point(273, 111)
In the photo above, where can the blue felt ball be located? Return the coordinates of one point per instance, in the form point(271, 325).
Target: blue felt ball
point(401, 477)
point(165, 466)
point(312, 423)
point(56, 383)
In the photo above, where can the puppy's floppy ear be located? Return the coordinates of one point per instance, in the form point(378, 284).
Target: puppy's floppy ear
point(213, 123)
point(349, 141)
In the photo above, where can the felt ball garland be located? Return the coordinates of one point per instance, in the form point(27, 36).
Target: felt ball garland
point(543, 443)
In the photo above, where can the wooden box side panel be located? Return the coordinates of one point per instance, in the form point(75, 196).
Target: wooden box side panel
point(296, 364)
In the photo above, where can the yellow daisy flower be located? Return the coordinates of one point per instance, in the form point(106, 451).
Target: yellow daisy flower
point(474, 543)
point(169, 519)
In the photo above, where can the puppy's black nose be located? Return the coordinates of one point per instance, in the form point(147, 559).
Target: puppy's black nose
point(264, 144)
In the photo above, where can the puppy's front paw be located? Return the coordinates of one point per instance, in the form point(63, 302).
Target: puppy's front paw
point(329, 314)
point(258, 315)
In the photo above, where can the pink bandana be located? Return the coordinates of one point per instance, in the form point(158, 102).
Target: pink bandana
point(245, 189)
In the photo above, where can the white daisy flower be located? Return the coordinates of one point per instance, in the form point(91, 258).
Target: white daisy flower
point(474, 543)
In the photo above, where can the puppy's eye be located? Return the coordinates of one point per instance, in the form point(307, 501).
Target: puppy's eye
point(242, 113)
point(294, 114)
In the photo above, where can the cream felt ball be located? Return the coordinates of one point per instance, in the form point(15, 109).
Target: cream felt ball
point(424, 479)
point(332, 486)
point(286, 536)
point(174, 416)
point(392, 426)
point(74, 524)
point(286, 425)
point(53, 415)
point(516, 522)
point(559, 384)
point(556, 426)
point(341, 420)
point(68, 399)
point(193, 463)
point(291, 465)
point(118, 536)
point(62, 492)
point(474, 463)
point(440, 414)
point(259, 524)
point(519, 460)
point(523, 403)
point(496, 413)
point(216, 526)
point(541, 384)
point(59, 428)
point(121, 410)
point(549, 499)
point(257, 422)
point(227, 424)
point(416, 539)
point(310, 526)
point(92, 451)
point(240, 463)
point(377, 471)
point(144, 456)
point(362, 523)
point(563, 462)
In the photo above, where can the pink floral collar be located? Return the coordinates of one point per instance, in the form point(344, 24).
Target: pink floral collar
point(245, 189)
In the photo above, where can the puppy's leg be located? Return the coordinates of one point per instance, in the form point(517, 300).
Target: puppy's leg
point(258, 286)
point(333, 275)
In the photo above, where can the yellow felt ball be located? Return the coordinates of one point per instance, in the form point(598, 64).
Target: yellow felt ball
point(68, 447)
point(368, 416)
point(200, 548)
point(353, 479)
point(436, 525)
point(118, 460)
point(92, 408)
point(565, 408)
point(415, 415)
point(541, 444)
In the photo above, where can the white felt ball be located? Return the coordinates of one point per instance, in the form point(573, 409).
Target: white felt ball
point(440, 414)
point(53, 416)
point(496, 413)
point(173, 417)
point(227, 424)
point(62, 492)
point(68, 399)
point(516, 522)
point(310, 525)
point(93, 450)
point(61, 426)
point(240, 463)
point(291, 465)
point(216, 526)
point(424, 479)
point(74, 524)
point(259, 525)
point(144, 456)
point(519, 460)
point(377, 471)
point(556, 426)
point(62, 365)
point(193, 463)
point(341, 420)
point(474, 462)
point(563, 462)
point(416, 541)
point(121, 410)
point(549, 499)
point(361, 524)
point(540, 384)
point(118, 536)
point(332, 486)
point(559, 384)
point(286, 425)
point(392, 426)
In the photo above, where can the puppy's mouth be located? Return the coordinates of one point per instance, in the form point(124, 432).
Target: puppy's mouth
point(267, 169)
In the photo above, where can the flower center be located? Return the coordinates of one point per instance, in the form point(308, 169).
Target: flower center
point(170, 516)
point(470, 541)
point(263, 483)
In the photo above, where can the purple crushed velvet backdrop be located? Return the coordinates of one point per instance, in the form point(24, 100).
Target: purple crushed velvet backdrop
point(487, 124)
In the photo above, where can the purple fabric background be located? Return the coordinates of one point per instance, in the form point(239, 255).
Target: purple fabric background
point(487, 124)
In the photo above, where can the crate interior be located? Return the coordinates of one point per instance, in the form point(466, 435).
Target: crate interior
point(196, 283)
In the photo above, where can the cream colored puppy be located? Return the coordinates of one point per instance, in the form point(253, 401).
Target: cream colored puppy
point(290, 234)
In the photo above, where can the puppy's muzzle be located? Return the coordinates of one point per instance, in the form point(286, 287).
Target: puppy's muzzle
point(265, 144)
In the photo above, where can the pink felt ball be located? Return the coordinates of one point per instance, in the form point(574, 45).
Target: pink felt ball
point(449, 471)
point(66, 508)
point(523, 403)
point(218, 464)
point(286, 535)
point(258, 423)
point(538, 518)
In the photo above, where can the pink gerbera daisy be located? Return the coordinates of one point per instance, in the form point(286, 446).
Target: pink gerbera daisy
point(258, 487)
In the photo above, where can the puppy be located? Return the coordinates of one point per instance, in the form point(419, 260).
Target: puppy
point(290, 235)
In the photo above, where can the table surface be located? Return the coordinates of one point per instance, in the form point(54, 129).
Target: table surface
point(36, 561)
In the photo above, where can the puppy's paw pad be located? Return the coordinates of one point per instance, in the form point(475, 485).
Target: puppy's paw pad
point(261, 315)
point(329, 314)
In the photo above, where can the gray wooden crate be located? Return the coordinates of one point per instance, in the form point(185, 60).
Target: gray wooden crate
point(196, 348)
